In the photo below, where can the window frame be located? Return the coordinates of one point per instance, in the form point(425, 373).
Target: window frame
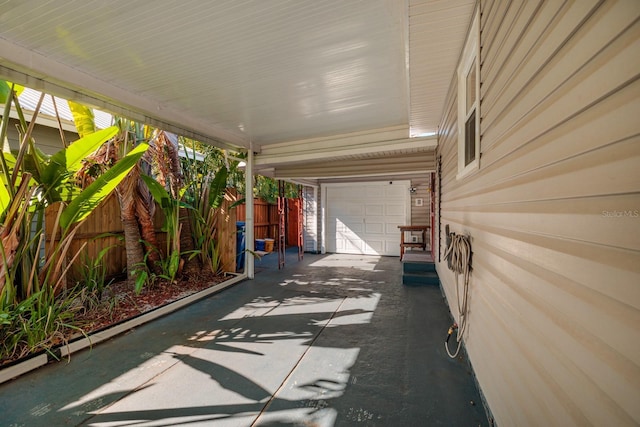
point(470, 58)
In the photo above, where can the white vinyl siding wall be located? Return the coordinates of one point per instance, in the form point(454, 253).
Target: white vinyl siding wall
point(420, 214)
point(47, 138)
point(310, 229)
point(553, 213)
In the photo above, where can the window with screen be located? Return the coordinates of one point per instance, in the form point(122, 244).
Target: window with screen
point(469, 103)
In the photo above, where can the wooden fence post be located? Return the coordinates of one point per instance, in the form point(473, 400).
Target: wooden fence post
point(227, 232)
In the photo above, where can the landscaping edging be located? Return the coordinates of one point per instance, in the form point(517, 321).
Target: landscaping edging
point(33, 362)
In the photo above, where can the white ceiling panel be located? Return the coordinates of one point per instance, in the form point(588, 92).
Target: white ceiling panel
point(241, 72)
point(437, 33)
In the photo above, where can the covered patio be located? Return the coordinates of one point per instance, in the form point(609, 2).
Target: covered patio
point(515, 122)
point(331, 340)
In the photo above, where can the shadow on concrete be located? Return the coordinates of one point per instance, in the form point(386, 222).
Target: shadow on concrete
point(332, 340)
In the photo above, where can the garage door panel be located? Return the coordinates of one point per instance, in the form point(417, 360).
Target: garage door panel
point(349, 227)
point(375, 247)
point(357, 227)
point(377, 209)
point(392, 247)
point(391, 192)
point(394, 221)
point(374, 228)
point(396, 200)
point(364, 218)
point(352, 247)
point(371, 192)
point(392, 228)
point(350, 244)
point(347, 235)
point(395, 210)
point(353, 209)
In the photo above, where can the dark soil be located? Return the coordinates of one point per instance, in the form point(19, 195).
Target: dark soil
point(120, 302)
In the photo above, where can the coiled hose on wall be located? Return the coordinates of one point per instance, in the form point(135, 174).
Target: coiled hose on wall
point(458, 256)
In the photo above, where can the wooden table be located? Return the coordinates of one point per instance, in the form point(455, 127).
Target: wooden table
point(422, 228)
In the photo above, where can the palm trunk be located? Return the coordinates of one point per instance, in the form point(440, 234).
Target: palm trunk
point(132, 237)
point(187, 245)
point(126, 192)
point(145, 209)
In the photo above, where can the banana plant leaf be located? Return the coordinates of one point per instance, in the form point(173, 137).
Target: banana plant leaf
point(83, 118)
point(70, 159)
point(168, 204)
point(5, 90)
point(218, 187)
point(34, 161)
point(56, 175)
point(5, 197)
point(84, 203)
point(159, 193)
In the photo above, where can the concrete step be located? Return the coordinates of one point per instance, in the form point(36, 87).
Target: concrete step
point(418, 267)
point(421, 279)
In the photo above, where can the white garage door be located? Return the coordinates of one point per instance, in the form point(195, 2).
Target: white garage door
point(364, 218)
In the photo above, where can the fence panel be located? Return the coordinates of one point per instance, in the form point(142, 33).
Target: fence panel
point(103, 229)
point(227, 232)
point(265, 218)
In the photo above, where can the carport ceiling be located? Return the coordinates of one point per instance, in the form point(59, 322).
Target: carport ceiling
point(249, 73)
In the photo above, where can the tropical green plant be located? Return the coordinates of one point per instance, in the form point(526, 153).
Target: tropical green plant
point(31, 180)
point(7, 89)
point(171, 208)
point(92, 274)
point(266, 188)
point(168, 267)
point(203, 159)
point(32, 290)
point(205, 192)
point(40, 322)
point(142, 276)
point(136, 204)
point(83, 118)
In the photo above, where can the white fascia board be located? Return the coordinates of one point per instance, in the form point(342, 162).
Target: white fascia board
point(414, 162)
point(36, 71)
point(356, 176)
point(304, 182)
point(44, 120)
point(303, 153)
point(339, 140)
point(411, 176)
point(271, 173)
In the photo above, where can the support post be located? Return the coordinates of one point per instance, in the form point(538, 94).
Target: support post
point(282, 230)
point(249, 222)
point(300, 230)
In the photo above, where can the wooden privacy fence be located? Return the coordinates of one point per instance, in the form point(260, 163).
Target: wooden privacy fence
point(103, 229)
point(293, 218)
point(265, 218)
point(227, 217)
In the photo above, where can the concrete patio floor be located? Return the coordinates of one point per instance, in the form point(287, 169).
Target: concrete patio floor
point(334, 340)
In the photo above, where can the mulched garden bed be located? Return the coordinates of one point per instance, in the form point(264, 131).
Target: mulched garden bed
point(119, 302)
